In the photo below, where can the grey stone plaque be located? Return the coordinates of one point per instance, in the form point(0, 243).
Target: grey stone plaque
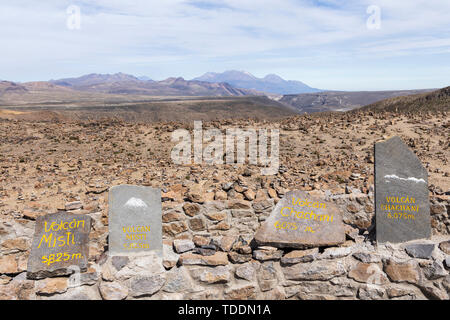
point(401, 193)
point(300, 220)
point(135, 224)
point(60, 245)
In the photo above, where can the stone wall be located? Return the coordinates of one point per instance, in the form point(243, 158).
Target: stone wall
point(209, 253)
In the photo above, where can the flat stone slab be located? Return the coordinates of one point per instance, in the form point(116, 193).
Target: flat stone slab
point(401, 194)
point(420, 250)
point(135, 223)
point(60, 245)
point(300, 220)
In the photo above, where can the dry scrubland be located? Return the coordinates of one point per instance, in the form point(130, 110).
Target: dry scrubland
point(45, 164)
point(51, 165)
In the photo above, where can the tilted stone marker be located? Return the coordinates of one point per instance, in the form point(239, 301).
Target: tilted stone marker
point(300, 220)
point(401, 193)
point(135, 224)
point(60, 245)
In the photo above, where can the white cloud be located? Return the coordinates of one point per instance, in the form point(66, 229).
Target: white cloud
point(118, 35)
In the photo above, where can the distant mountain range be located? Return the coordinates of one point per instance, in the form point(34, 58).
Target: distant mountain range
point(244, 82)
point(229, 83)
point(121, 83)
point(95, 79)
point(122, 88)
point(270, 83)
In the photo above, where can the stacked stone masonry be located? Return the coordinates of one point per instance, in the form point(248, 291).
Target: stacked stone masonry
point(209, 253)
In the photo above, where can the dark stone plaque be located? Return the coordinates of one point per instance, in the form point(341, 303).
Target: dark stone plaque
point(60, 245)
point(401, 193)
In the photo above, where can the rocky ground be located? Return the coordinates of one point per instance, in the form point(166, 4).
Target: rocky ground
point(210, 213)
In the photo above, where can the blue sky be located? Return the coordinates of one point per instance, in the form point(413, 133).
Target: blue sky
point(324, 43)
